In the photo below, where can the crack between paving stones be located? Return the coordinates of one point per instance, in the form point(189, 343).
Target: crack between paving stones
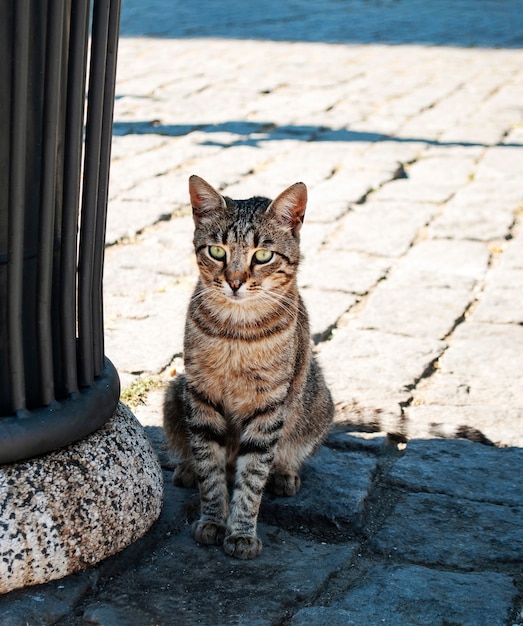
point(434, 103)
point(126, 240)
point(378, 506)
point(478, 289)
point(516, 614)
point(432, 367)
point(403, 488)
point(350, 574)
point(399, 173)
point(328, 333)
point(119, 159)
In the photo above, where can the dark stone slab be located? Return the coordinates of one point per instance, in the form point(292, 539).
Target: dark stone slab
point(463, 469)
point(45, 604)
point(445, 531)
point(200, 585)
point(410, 595)
point(330, 502)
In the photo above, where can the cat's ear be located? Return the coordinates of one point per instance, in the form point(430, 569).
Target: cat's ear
point(289, 207)
point(205, 200)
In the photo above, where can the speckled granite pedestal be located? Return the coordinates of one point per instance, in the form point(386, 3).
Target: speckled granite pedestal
point(69, 509)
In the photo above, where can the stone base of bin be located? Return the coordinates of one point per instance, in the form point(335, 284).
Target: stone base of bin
point(69, 509)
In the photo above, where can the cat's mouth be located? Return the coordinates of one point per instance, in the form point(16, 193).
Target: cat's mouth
point(236, 295)
point(239, 294)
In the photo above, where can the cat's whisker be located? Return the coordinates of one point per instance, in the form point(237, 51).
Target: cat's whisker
point(286, 307)
point(287, 304)
point(201, 296)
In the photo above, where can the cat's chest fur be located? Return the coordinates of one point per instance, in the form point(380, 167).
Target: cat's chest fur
point(239, 374)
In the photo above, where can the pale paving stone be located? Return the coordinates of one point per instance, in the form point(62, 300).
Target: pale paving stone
point(500, 163)
point(442, 101)
point(125, 218)
point(146, 338)
point(148, 285)
point(165, 188)
point(300, 163)
point(225, 169)
point(502, 299)
point(492, 207)
point(370, 411)
point(382, 154)
point(127, 172)
point(468, 259)
point(445, 170)
point(313, 236)
point(124, 145)
point(431, 309)
point(332, 197)
point(306, 162)
point(512, 258)
point(475, 153)
point(381, 228)
point(150, 413)
point(483, 219)
point(284, 99)
point(460, 101)
point(514, 136)
point(474, 132)
point(501, 425)
point(470, 97)
point(485, 191)
point(374, 370)
point(385, 125)
point(405, 190)
point(482, 366)
point(344, 112)
point(351, 272)
point(325, 308)
point(326, 203)
point(154, 261)
point(173, 237)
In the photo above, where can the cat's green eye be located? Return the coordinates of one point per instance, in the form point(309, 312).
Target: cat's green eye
point(217, 253)
point(263, 256)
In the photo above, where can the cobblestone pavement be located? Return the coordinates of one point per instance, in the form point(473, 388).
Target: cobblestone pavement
point(413, 274)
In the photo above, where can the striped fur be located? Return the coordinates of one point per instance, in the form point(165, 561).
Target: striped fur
point(252, 404)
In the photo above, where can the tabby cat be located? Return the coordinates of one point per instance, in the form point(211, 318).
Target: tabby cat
point(252, 404)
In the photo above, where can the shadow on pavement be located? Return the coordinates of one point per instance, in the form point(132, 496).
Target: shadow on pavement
point(254, 133)
point(468, 23)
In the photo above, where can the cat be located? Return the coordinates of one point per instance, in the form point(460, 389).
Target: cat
point(252, 404)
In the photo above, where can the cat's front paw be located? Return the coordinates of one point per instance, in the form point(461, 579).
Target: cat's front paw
point(284, 484)
point(208, 533)
point(242, 546)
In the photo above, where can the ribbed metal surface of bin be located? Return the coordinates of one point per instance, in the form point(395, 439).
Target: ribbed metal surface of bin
point(57, 81)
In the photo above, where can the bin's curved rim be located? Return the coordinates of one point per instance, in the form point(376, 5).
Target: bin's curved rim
point(49, 428)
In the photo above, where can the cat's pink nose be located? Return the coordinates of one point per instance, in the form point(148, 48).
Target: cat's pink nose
point(235, 284)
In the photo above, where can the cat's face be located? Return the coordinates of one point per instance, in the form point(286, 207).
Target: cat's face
point(247, 250)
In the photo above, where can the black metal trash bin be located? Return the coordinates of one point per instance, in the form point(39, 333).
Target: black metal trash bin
point(56, 386)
